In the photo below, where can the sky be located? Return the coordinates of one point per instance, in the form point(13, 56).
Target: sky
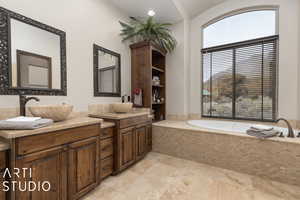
point(245, 26)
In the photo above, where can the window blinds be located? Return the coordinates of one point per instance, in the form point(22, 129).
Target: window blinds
point(239, 80)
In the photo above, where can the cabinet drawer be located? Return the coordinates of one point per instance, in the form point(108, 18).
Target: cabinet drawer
point(40, 142)
point(124, 123)
point(106, 133)
point(106, 167)
point(106, 148)
point(2, 160)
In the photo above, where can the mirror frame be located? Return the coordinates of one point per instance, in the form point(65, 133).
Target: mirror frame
point(5, 56)
point(96, 68)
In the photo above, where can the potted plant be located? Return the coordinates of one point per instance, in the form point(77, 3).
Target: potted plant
point(150, 31)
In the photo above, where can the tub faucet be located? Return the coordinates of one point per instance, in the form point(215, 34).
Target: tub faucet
point(291, 131)
point(23, 102)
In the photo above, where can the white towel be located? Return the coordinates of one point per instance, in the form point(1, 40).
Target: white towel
point(24, 125)
point(262, 127)
point(23, 119)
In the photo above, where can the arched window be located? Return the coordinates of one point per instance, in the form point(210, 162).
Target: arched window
point(240, 27)
point(239, 66)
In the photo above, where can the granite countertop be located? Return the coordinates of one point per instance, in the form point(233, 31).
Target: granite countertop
point(69, 123)
point(4, 146)
point(107, 124)
point(119, 115)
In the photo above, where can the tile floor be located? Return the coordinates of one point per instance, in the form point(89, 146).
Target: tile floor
point(162, 177)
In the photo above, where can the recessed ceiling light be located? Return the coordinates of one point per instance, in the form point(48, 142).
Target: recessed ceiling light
point(151, 13)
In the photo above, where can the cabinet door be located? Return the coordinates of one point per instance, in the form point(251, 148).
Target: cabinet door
point(83, 169)
point(127, 147)
point(49, 165)
point(141, 141)
point(2, 192)
point(149, 137)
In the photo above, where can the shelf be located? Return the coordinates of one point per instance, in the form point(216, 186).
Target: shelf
point(158, 69)
point(161, 86)
point(156, 103)
point(146, 63)
point(157, 120)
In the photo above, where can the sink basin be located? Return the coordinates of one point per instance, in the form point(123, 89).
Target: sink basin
point(122, 107)
point(55, 112)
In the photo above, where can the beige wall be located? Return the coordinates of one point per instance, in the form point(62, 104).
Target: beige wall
point(288, 52)
point(299, 62)
point(85, 22)
point(175, 73)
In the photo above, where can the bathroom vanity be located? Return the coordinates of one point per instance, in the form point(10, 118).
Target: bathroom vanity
point(133, 139)
point(66, 152)
point(75, 155)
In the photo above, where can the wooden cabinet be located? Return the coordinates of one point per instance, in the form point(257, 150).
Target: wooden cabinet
point(2, 192)
point(127, 147)
point(3, 165)
point(83, 167)
point(68, 159)
point(141, 141)
point(149, 136)
point(107, 152)
point(3, 160)
point(107, 148)
point(48, 165)
point(132, 141)
point(148, 61)
point(107, 167)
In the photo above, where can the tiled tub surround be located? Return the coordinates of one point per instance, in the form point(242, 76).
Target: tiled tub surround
point(276, 159)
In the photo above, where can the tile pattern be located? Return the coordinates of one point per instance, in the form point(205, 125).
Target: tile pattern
point(162, 177)
point(177, 117)
point(276, 159)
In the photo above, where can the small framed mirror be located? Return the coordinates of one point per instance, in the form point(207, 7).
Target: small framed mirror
point(33, 60)
point(107, 72)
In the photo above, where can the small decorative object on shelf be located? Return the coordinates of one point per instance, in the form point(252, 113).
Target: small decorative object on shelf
point(138, 97)
point(155, 80)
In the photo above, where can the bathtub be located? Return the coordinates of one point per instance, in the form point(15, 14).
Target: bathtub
point(228, 126)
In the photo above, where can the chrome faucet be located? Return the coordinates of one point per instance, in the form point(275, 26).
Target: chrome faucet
point(23, 102)
point(291, 131)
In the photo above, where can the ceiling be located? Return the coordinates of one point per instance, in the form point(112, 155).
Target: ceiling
point(166, 10)
point(195, 7)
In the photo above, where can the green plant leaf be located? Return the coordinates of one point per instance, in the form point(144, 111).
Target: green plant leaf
point(149, 30)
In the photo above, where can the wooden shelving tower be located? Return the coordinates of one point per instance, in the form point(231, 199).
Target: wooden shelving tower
point(147, 61)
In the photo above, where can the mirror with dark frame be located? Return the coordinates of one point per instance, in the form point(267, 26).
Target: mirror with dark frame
point(107, 72)
point(32, 57)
